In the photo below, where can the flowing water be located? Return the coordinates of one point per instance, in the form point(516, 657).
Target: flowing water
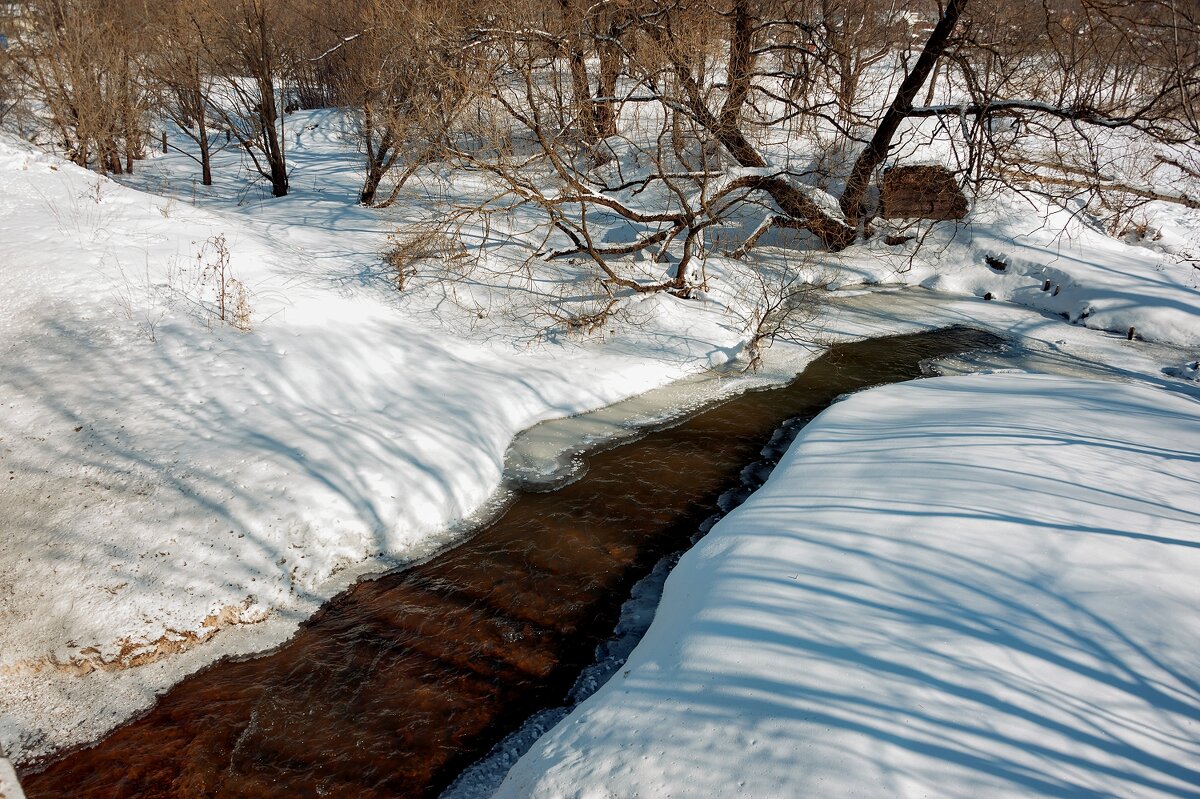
point(400, 682)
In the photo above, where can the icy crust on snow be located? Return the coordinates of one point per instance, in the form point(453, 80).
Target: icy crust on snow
point(963, 586)
point(548, 454)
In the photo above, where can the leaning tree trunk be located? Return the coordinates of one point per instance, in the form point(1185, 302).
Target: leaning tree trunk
point(851, 200)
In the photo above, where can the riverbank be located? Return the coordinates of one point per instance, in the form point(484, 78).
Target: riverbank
point(398, 683)
point(978, 585)
point(177, 489)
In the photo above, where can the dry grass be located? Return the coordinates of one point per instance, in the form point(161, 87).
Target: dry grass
point(414, 244)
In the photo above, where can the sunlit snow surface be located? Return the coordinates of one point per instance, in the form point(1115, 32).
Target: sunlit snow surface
point(964, 586)
point(172, 490)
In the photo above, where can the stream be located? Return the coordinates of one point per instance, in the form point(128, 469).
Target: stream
point(399, 683)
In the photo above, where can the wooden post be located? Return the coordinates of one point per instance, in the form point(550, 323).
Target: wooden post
point(164, 142)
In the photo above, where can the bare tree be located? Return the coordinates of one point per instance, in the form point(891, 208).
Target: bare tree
point(83, 60)
point(10, 94)
point(900, 108)
point(736, 74)
point(400, 74)
point(1095, 98)
point(673, 116)
point(592, 32)
point(248, 55)
point(181, 72)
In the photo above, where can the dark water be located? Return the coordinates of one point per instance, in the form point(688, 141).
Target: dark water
point(400, 682)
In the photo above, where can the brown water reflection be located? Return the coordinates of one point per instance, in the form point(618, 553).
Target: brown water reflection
point(400, 682)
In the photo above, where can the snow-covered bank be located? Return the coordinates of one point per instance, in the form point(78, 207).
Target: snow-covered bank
point(1053, 261)
point(10, 788)
point(964, 586)
point(173, 490)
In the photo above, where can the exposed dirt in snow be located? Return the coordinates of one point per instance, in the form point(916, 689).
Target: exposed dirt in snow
point(131, 654)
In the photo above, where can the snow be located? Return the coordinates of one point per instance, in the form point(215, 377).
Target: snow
point(9, 787)
point(1094, 280)
point(174, 490)
point(963, 586)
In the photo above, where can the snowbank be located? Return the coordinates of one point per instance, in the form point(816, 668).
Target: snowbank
point(9, 787)
point(968, 586)
point(1053, 261)
point(173, 489)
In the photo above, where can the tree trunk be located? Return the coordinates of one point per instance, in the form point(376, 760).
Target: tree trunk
point(265, 74)
point(198, 103)
point(870, 158)
point(205, 155)
point(273, 138)
point(279, 178)
point(585, 113)
point(727, 129)
point(738, 70)
point(610, 70)
point(370, 186)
